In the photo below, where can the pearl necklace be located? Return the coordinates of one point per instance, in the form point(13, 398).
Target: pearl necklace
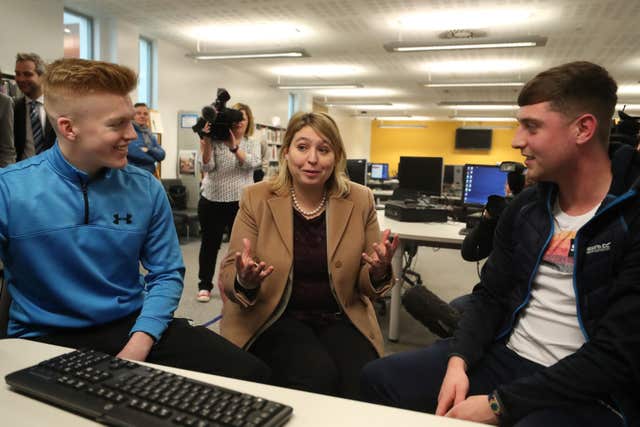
point(309, 213)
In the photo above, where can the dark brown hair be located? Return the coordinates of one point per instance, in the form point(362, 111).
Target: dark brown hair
point(573, 89)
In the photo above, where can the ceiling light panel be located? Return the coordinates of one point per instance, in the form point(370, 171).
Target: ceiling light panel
point(483, 119)
point(406, 118)
point(473, 84)
point(463, 19)
point(294, 53)
point(320, 86)
point(478, 66)
point(629, 90)
point(478, 106)
point(355, 93)
point(377, 106)
point(465, 44)
point(260, 33)
point(627, 107)
point(318, 71)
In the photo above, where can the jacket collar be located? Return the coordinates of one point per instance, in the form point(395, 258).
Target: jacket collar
point(67, 170)
point(625, 168)
point(338, 214)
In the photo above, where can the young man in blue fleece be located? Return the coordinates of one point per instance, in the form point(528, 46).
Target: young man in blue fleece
point(552, 334)
point(76, 221)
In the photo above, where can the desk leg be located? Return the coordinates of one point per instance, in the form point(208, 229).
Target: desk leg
point(394, 312)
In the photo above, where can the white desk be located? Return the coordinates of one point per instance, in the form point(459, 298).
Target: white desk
point(434, 234)
point(309, 409)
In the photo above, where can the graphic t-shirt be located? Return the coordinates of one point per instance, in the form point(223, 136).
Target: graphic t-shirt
point(547, 329)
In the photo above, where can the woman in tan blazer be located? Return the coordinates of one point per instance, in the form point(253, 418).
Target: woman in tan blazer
point(306, 257)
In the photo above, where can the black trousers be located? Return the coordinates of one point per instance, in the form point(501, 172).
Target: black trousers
point(321, 358)
point(181, 346)
point(214, 217)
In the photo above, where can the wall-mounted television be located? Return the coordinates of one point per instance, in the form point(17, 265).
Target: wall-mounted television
point(473, 139)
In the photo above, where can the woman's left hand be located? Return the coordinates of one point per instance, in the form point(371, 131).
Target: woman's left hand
point(380, 261)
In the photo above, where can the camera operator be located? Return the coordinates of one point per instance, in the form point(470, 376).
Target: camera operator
point(228, 167)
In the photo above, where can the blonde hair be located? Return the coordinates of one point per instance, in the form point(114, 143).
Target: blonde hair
point(338, 183)
point(250, 125)
point(69, 78)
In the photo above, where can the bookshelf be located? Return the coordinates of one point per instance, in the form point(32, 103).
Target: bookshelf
point(273, 137)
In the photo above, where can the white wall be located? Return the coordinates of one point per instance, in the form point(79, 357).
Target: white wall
point(356, 133)
point(30, 26)
point(184, 84)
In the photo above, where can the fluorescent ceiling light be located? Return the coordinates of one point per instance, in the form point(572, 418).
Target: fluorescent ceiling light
point(483, 119)
point(67, 30)
point(318, 71)
point(294, 53)
point(477, 66)
point(354, 103)
point(333, 86)
point(358, 105)
point(474, 84)
point(465, 45)
point(628, 107)
point(357, 93)
point(629, 90)
point(383, 125)
point(259, 32)
point(405, 118)
point(478, 106)
point(463, 19)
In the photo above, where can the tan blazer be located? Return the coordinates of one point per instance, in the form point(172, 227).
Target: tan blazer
point(266, 219)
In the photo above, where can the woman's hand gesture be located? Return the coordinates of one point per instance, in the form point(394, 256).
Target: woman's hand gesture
point(250, 273)
point(380, 261)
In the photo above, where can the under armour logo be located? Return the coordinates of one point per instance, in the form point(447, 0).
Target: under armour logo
point(117, 218)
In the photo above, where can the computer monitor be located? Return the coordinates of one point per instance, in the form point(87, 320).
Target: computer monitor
point(357, 170)
point(422, 174)
point(379, 170)
point(480, 182)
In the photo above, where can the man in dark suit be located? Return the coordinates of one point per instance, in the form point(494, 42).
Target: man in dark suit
point(32, 131)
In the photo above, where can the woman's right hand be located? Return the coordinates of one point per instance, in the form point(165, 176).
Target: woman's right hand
point(250, 273)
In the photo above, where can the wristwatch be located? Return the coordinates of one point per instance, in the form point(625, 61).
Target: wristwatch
point(494, 404)
point(234, 149)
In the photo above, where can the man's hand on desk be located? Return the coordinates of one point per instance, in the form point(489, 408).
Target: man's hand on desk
point(137, 348)
point(474, 408)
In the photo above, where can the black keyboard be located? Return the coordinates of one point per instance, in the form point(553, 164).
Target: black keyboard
point(117, 392)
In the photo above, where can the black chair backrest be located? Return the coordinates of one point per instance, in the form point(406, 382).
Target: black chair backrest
point(178, 197)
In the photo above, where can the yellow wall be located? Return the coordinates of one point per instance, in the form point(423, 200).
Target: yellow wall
point(438, 140)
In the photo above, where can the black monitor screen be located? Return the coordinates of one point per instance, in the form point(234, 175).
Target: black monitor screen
point(423, 174)
point(357, 170)
point(472, 138)
point(482, 181)
point(380, 170)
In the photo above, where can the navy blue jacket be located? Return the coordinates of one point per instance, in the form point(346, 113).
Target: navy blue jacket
point(606, 281)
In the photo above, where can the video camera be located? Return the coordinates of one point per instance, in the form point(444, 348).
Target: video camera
point(219, 116)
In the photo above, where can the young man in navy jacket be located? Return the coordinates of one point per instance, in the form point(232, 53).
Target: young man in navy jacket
point(551, 337)
point(77, 221)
